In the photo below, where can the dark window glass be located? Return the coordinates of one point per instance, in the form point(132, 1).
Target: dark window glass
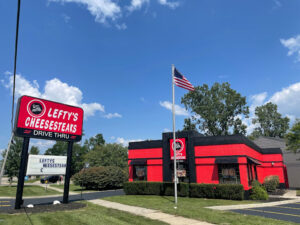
point(139, 173)
point(229, 174)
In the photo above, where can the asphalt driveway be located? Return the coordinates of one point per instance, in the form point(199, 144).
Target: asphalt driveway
point(287, 212)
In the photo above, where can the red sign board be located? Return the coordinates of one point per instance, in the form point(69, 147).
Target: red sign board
point(40, 118)
point(180, 148)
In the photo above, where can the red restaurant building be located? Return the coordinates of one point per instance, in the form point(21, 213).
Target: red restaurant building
point(205, 159)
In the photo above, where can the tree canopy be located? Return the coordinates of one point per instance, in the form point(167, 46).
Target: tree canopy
point(216, 110)
point(269, 121)
point(107, 155)
point(13, 158)
point(92, 142)
point(293, 137)
point(34, 150)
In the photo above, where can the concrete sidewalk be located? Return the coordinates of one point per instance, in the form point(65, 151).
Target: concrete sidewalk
point(149, 213)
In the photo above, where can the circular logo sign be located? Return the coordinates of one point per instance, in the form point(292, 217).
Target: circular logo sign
point(179, 145)
point(36, 108)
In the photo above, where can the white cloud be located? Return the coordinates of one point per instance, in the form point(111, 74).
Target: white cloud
point(55, 90)
point(166, 130)
point(288, 100)
point(102, 10)
point(180, 111)
point(171, 5)
point(122, 26)
point(137, 4)
point(277, 4)
point(113, 115)
point(125, 142)
point(66, 18)
point(293, 45)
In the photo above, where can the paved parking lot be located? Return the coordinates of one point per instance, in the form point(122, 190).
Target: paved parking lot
point(287, 212)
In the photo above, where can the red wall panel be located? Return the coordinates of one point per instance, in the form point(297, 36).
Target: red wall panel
point(155, 173)
point(244, 176)
point(207, 174)
point(145, 153)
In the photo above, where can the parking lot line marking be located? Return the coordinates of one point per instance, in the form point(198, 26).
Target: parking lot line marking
point(4, 205)
point(286, 207)
point(286, 214)
point(4, 201)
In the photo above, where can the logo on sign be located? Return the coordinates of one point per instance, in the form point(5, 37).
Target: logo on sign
point(178, 145)
point(36, 108)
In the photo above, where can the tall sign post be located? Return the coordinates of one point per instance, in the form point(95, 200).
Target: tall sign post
point(44, 119)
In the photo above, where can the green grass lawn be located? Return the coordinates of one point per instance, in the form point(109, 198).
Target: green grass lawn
point(29, 190)
point(194, 208)
point(73, 187)
point(90, 215)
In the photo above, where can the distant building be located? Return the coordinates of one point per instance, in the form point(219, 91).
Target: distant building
point(291, 160)
point(232, 159)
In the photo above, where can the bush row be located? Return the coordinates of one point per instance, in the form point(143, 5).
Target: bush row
point(221, 191)
point(100, 178)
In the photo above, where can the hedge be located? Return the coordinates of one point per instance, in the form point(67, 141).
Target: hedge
point(100, 178)
point(271, 183)
point(222, 191)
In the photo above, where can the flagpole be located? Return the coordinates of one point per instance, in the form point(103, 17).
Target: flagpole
point(174, 139)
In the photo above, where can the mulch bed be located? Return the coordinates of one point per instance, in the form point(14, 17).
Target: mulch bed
point(47, 208)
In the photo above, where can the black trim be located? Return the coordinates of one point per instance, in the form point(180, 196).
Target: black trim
point(139, 162)
point(233, 139)
point(167, 176)
point(253, 161)
point(203, 157)
point(145, 144)
point(271, 151)
point(226, 160)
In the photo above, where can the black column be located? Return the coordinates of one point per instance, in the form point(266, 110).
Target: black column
point(68, 170)
point(22, 171)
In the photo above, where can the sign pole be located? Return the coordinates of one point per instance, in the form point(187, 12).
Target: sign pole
point(22, 171)
point(174, 139)
point(68, 170)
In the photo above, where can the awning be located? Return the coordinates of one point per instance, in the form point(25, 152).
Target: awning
point(253, 161)
point(226, 160)
point(138, 162)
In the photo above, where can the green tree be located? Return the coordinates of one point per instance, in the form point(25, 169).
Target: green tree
point(34, 150)
point(217, 109)
point(293, 137)
point(269, 121)
point(189, 125)
point(91, 143)
point(13, 158)
point(107, 155)
point(61, 148)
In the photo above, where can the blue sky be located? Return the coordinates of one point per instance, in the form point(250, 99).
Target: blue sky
point(113, 58)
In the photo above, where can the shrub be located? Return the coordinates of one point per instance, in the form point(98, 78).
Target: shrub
point(258, 193)
point(271, 183)
point(142, 188)
point(256, 183)
point(230, 191)
point(222, 191)
point(100, 178)
point(168, 189)
point(202, 190)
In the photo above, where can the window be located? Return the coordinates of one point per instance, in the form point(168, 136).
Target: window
point(229, 174)
point(139, 173)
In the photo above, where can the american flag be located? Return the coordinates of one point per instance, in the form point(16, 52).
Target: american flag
point(181, 81)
